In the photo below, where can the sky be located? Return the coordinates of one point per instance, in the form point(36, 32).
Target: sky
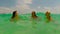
point(27, 6)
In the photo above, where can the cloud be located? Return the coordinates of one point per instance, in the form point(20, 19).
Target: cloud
point(25, 6)
point(5, 10)
point(24, 1)
point(22, 5)
point(28, 1)
point(54, 10)
point(38, 7)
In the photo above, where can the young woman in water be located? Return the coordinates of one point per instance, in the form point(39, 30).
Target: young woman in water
point(48, 16)
point(34, 14)
point(14, 16)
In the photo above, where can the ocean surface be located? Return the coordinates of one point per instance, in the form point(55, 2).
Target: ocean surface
point(27, 25)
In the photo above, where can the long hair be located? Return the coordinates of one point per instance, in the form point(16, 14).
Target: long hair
point(14, 13)
point(34, 14)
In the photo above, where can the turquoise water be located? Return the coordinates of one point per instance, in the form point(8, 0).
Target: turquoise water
point(27, 25)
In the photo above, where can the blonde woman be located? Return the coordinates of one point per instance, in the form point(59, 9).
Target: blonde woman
point(48, 16)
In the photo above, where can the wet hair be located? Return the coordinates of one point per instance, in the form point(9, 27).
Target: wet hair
point(47, 13)
point(34, 14)
point(14, 13)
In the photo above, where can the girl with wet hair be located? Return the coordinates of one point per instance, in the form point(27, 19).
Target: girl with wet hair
point(48, 16)
point(34, 14)
point(14, 15)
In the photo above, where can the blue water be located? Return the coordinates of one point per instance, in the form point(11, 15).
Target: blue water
point(27, 25)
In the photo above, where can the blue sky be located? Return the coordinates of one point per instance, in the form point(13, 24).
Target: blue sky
point(26, 6)
point(7, 3)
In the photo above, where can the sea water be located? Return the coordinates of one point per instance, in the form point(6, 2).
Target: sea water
point(27, 25)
